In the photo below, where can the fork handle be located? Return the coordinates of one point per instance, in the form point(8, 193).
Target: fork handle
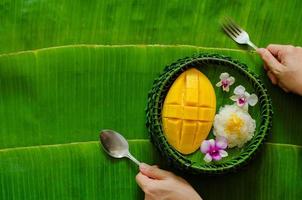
point(252, 45)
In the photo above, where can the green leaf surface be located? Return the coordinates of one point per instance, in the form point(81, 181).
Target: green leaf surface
point(82, 171)
point(55, 99)
point(33, 24)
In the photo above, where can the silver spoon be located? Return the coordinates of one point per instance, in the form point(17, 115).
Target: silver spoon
point(116, 145)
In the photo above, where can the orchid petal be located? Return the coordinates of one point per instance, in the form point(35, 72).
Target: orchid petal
point(231, 80)
point(246, 107)
point(234, 98)
point(212, 143)
point(223, 153)
point(221, 142)
point(216, 157)
point(227, 88)
point(224, 76)
point(205, 146)
point(207, 158)
point(252, 99)
point(239, 90)
point(219, 84)
point(246, 94)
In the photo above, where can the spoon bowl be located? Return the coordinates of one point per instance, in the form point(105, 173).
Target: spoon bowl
point(115, 145)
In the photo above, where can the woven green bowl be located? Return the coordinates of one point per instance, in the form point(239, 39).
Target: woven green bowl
point(212, 66)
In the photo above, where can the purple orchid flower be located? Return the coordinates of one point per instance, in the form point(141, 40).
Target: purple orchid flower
point(225, 81)
point(243, 98)
point(214, 149)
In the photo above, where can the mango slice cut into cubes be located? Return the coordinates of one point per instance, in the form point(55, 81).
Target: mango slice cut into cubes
point(188, 111)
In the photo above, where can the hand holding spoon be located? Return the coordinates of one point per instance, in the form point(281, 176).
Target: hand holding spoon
point(116, 145)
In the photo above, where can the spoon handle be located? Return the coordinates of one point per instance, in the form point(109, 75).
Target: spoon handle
point(133, 159)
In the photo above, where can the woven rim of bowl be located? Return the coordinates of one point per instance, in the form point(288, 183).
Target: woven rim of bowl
point(156, 97)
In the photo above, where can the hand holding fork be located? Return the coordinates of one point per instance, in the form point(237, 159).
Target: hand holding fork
point(281, 62)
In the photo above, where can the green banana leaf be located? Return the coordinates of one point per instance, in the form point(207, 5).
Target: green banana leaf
point(56, 94)
point(33, 24)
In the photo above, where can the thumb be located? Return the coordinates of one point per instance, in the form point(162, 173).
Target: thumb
point(271, 62)
point(154, 172)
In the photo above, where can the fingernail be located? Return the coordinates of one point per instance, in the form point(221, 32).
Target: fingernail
point(259, 50)
point(143, 166)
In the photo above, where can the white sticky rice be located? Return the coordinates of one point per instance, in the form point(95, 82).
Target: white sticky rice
point(244, 131)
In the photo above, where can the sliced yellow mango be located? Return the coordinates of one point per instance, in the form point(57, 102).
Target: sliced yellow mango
point(189, 111)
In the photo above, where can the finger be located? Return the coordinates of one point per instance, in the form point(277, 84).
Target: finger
point(142, 180)
point(153, 172)
point(272, 63)
point(265, 67)
point(275, 48)
point(280, 51)
point(272, 77)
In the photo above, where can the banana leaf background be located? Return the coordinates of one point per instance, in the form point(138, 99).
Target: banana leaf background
point(69, 68)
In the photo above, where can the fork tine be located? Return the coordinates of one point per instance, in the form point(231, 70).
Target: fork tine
point(233, 29)
point(231, 34)
point(231, 26)
point(229, 31)
point(234, 25)
point(229, 23)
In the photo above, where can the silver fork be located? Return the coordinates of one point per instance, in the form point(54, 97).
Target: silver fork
point(237, 33)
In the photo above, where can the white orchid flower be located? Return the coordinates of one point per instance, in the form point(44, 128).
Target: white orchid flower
point(225, 81)
point(243, 98)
